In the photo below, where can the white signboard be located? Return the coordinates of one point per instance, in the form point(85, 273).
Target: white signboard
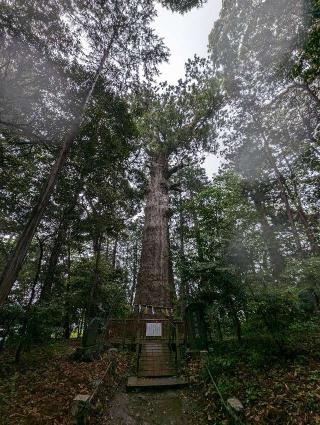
point(154, 329)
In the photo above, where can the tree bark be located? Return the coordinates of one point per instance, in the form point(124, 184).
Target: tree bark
point(154, 283)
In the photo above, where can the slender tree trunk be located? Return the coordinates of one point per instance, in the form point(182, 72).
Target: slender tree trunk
point(235, 319)
point(270, 240)
point(114, 253)
point(16, 260)
point(134, 272)
point(96, 278)
point(218, 328)
point(302, 215)
point(154, 285)
point(283, 191)
point(107, 250)
point(27, 312)
point(199, 244)
point(183, 281)
point(66, 321)
point(59, 242)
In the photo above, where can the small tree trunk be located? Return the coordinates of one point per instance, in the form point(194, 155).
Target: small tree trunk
point(59, 242)
point(218, 328)
point(184, 292)
point(96, 278)
point(66, 322)
point(114, 253)
point(235, 319)
point(31, 298)
point(134, 272)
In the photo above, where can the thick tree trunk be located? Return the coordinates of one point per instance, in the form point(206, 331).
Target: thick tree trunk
point(16, 260)
point(154, 283)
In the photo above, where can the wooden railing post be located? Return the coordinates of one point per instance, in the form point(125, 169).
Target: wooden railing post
point(138, 347)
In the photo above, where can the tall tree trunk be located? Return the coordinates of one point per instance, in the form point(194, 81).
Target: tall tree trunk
point(281, 182)
point(284, 195)
point(302, 215)
point(154, 283)
point(96, 278)
point(114, 253)
point(235, 319)
point(183, 281)
point(59, 242)
point(270, 240)
point(16, 260)
point(66, 321)
point(198, 238)
point(218, 328)
point(134, 272)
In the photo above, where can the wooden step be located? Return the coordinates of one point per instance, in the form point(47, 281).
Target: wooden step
point(168, 382)
point(156, 360)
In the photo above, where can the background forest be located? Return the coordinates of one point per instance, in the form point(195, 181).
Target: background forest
point(244, 243)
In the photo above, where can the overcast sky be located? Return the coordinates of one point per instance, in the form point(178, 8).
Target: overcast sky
point(186, 35)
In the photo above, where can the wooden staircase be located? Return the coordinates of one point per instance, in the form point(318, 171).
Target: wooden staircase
point(157, 356)
point(156, 360)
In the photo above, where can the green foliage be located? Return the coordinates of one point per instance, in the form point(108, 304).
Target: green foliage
point(307, 62)
point(111, 295)
point(221, 365)
point(182, 5)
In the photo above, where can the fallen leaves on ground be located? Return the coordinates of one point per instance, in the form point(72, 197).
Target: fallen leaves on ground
point(40, 390)
point(285, 394)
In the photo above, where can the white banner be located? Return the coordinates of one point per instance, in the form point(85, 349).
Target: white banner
point(154, 329)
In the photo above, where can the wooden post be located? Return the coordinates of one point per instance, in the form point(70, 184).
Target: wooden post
point(138, 347)
point(79, 409)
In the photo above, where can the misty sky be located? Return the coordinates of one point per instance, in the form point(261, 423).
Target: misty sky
point(186, 35)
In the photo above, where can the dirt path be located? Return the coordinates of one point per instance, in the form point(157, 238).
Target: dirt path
point(167, 407)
